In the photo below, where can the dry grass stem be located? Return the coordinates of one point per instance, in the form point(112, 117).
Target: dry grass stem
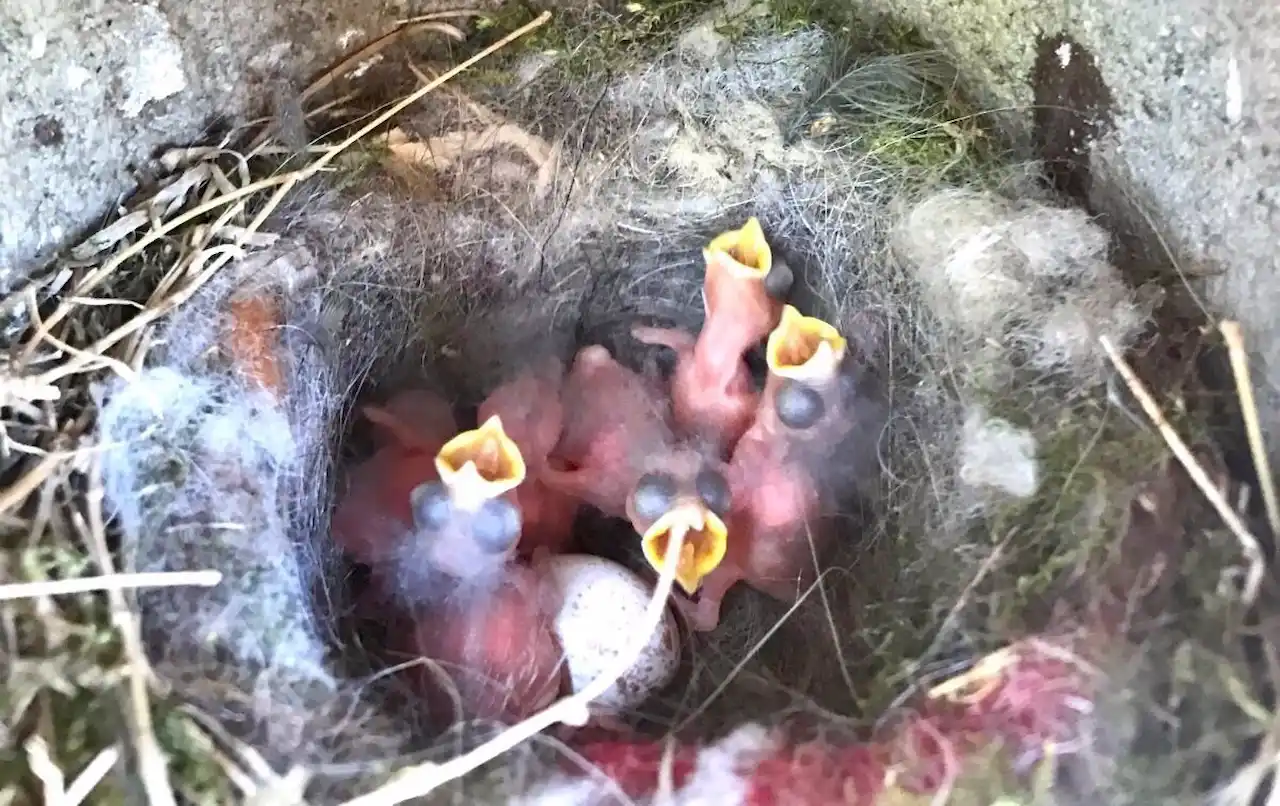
point(15, 494)
point(377, 46)
point(91, 776)
point(283, 183)
point(422, 779)
point(56, 793)
point(43, 767)
point(429, 22)
point(417, 95)
point(152, 764)
point(1249, 545)
point(1234, 337)
point(452, 14)
point(64, 587)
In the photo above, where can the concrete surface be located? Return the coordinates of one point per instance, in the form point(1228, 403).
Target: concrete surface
point(92, 88)
point(1182, 104)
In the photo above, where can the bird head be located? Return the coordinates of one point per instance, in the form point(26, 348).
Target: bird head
point(804, 348)
point(663, 508)
point(744, 252)
point(481, 464)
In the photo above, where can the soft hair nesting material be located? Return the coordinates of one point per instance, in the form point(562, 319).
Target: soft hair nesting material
point(460, 279)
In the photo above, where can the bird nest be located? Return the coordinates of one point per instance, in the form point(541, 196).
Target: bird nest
point(1044, 585)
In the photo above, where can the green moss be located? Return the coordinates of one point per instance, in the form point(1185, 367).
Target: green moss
point(358, 163)
point(590, 42)
point(933, 149)
point(1092, 459)
point(195, 772)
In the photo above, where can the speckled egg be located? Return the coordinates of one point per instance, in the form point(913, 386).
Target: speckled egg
point(603, 603)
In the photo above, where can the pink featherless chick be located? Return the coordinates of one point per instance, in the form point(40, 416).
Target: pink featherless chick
point(774, 541)
point(618, 454)
point(479, 613)
point(374, 511)
point(533, 415)
point(682, 494)
point(613, 419)
point(712, 393)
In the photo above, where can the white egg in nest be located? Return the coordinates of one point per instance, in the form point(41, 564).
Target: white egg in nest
point(602, 606)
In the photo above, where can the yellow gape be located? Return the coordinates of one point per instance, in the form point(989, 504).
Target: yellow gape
point(748, 253)
point(804, 348)
point(480, 464)
point(705, 540)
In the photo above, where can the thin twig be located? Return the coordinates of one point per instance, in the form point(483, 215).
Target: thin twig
point(154, 579)
point(95, 278)
point(1234, 337)
point(353, 60)
point(452, 14)
point(18, 492)
point(424, 90)
point(152, 765)
point(91, 776)
point(420, 780)
point(375, 47)
point(1248, 543)
point(42, 766)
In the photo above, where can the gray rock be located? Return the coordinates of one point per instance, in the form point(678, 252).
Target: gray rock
point(92, 88)
point(1191, 156)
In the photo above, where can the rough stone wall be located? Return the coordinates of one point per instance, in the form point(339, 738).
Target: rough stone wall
point(1182, 104)
point(90, 89)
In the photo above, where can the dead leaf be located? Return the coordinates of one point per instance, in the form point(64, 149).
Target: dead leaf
point(173, 196)
point(109, 236)
point(442, 152)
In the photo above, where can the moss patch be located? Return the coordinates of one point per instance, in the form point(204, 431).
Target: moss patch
point(593, 42)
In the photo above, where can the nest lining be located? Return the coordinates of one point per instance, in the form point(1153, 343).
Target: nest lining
point(989, 487)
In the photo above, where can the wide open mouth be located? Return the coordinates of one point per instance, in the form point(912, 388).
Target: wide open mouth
point(749, 253)
point(804, 347)
point(480, 464)
point(705, 541)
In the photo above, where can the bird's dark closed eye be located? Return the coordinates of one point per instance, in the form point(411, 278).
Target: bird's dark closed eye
point(779, 281)
point(799, 406)
point(713, 488)
point(432, 506)
point(496, 525)
point(654, 496)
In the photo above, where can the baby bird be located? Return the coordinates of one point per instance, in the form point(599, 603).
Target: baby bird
point(774, 543)
point(712, 393)
point(374, 512)
point(532, 412)
point(476, 611)
point(412, 418)
point(620, 456)
point(682, 495)
point(613, 418)
point(479, 472)
point(499, 647)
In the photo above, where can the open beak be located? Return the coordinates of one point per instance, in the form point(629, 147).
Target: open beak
point(744, 252)
point(480, 464)
point(705, 540)
point(804, 348)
